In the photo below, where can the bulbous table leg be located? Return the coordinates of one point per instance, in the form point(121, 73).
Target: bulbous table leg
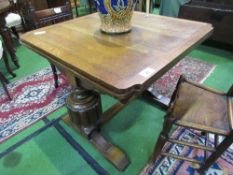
point(84, 108)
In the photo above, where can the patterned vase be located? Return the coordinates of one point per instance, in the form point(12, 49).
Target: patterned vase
point(115, 15)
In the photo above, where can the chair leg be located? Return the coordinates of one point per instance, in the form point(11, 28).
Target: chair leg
point(9, 45)
point(5, 59)
point(2, 80)
point(216, 140)
point(219, 151)
point(54, 75)
point(205, 135)
point(167, 125)
point(15, 32)
point(5, 79)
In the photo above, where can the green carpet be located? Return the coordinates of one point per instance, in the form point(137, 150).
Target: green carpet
point(135, 129)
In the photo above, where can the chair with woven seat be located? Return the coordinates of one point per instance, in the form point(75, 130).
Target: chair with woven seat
point(3, 80)
point(197, 107)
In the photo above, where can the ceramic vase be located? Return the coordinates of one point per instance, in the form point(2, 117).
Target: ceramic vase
point(115, 15)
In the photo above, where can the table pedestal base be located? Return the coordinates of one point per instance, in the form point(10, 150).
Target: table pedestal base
point(84, 108)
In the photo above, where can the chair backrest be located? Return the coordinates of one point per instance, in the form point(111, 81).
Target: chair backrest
point(40, 4)
point(34, 18)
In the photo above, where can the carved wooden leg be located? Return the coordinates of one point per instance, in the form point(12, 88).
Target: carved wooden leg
point(5, 59)
point(167, 125)
point(54, 69)
point(84, 108)
point(2, 80)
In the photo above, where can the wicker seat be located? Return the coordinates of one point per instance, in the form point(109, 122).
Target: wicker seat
point(200, 108)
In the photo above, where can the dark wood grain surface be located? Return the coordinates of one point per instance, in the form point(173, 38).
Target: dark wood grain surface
point(116, 63)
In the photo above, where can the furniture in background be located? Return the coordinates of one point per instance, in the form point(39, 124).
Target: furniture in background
point(90, 70)
point(92, 6)
point(217, 12)
point(146, 5)
point(5, 6)
point(13, 19)
point(202, 109)
point(37, 14)
point(139, 5)
point(3, 79)
point(171, 7)
point(6, 61)
point(75, 4)
point(45, 4)
point(156, 2)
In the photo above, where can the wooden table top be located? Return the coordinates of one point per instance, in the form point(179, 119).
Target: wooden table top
point(4, 6)
point(119, 63)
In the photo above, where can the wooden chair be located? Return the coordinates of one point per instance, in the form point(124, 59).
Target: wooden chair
point(200, 108)
point(13, 19)
point(36, 17)
point(40, 13)
point(3, 80)
point(5, 59)
point(8, 21)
